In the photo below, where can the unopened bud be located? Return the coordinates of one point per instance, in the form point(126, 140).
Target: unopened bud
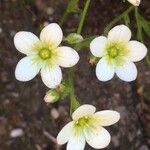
point(92, 60)
point(51, 96)
point(73, 38)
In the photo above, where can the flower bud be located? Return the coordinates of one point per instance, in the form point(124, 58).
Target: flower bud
point(51, 96)
point(73, 38)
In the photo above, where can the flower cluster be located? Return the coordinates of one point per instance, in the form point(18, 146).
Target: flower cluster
point(117, 55)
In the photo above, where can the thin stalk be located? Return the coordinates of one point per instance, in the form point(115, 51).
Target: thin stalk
point(73, 101)
point(64, 17)
point(74, 104)
point(113, 22)
point(83, 15)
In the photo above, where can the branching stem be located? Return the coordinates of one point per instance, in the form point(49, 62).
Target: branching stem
point(118, 18)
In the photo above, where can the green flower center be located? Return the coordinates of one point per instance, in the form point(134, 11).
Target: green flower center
point(82, 121)
point(113, 51)
point(45, 53)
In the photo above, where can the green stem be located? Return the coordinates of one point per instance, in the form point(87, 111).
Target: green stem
point(74, 104)
point(83, 15)
point(113, 22)
point(64, 17)
point(139, 28)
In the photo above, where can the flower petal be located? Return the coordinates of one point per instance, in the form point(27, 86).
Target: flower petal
point(76, 143)
point(137, 51)
point(135, 2)
point(65, 134)
point(99, 139)
point(26, 69)
point(120, 33)
point(51, 76)
point(107, 117)
point(83, 111)
point(104, 71)
point(68, 57)
point(52, 34)
point(127, 72)
point(97, 46)
point(24, 42)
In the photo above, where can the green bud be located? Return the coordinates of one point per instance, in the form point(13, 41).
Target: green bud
point(51, 96)
point(73, 38)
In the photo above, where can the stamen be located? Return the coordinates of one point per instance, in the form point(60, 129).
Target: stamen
point(45, 53)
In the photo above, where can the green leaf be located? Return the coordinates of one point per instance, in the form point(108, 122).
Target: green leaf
point(73, 6)
point(126, 19)
point(74, 105)
point(85, 43)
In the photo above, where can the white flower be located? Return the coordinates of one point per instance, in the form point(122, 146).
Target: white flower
point(43, 54)
point(118, 54)
point(135, 2)
point(87, 126)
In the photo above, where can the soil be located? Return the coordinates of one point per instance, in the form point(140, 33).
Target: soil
point(22, 105)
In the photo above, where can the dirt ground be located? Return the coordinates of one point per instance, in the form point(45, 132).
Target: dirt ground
point(22, 105)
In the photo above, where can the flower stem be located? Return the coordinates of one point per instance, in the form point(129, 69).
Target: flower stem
point(83, 15)
point(113, 22)
point(63, 18)
point(74, 104)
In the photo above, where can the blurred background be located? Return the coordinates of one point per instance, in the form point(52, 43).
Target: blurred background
point(26, 122)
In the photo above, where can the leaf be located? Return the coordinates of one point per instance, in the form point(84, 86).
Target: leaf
point(85, 43)
point(127, 20)
point(73, 6)
point(143, 24)
point(74, 105)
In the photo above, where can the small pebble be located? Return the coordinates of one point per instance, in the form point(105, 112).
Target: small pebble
point(16, 133)
point(1, 30)
point(54, 113)
point(144, 147)
point(50, 11)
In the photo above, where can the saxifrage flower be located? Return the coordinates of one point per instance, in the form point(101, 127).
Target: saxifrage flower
point(135, 2)
point(43, 54)
point(87, 126)
point(118, 54)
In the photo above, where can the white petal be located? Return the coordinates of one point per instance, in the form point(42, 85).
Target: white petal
point(104, 71)
point(52, 34)
point(83, 111)
point(107, 117)
point(76, 143)
point(26, 69)
point(135, 2)
point(98, 140)
point(24, 42)
point(137, 51)
point(120, 33)
point(127, 72)
point(65, 134)
point(51, 76)
point(97, 46)
point(68, 57)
